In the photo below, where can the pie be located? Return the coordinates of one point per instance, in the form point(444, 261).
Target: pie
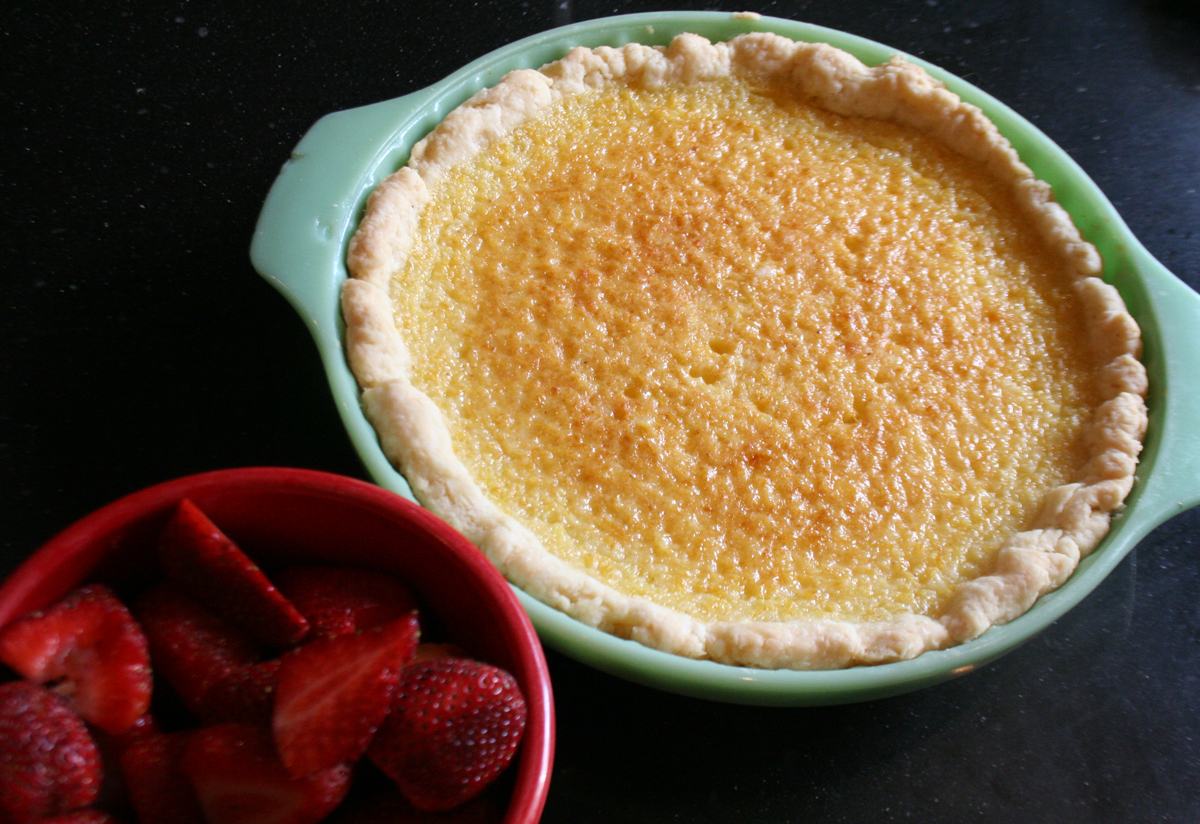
point(746, 351)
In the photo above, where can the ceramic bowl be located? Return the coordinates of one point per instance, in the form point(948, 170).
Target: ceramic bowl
point(292, 515)
point(313, 210)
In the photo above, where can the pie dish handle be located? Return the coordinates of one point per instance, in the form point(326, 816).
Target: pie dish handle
point(305, 225)
point(1172, 465)
point(313, 205)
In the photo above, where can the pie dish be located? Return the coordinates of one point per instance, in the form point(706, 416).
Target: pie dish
point(666, 253)
point(314, 209)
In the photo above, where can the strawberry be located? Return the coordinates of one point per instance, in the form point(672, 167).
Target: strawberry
point(111, 747)
point(333, 693)
point(145, 726)
point(239, 780)
point(192, 649)
point(158, 790)
point(454, 726)
point(89, 646)
point(49, 763)
point(247, 695)
point(344, 600)
point(211, 568)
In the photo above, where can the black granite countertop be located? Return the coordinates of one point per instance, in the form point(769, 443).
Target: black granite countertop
point(137, 344)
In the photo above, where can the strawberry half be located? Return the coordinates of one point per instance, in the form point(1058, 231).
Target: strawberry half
point(158, 790)
point(113, 790)
point(146, 726)
point(455, 725)
point(247, 695)
point(211, 568)
point(90, 650)
point(333, 693)
point(193, 649)
point(344, 600)
point(239, 780)
point(49, 763)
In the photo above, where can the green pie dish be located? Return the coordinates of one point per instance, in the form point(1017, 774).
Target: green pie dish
point(313, 210)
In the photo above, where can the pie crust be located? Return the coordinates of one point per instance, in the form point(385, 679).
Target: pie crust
point(1073, 517)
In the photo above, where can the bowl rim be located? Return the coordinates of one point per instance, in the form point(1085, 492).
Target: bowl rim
point(326, 168)
point(66, 560)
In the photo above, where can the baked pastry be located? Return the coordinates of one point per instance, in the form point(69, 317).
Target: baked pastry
point(746, 351)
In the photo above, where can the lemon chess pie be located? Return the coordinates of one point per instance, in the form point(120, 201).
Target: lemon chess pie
point(746, 351)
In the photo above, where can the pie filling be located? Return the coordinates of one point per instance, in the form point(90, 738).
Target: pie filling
point(739, 357)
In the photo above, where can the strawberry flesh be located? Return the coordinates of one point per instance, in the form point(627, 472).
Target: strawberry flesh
point(90, 650)
point(145, 726)
point(345, 600)
point(158, 790)
point(49, 764)
point(333, 693)
point(211, 568)
point(455, 725)
point(239, 779)
point(247, 695)
point(193, 649)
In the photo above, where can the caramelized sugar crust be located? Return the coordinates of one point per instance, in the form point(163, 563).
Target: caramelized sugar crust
point(746, 358)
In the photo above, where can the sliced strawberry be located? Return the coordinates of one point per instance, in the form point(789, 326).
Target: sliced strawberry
point(145, 726)
point(212, 569)
point(239, 780)
point(333, 693)
point(345, 600)
point(158, 790)
point(90, 650)
point(454, 726)
point(49, 763)
point(111, 747)
point(192, 648)
point(247, 695)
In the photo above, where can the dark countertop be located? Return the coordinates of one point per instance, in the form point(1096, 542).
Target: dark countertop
point(138, 344)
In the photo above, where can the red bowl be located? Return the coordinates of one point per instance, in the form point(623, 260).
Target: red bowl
point(301, 516)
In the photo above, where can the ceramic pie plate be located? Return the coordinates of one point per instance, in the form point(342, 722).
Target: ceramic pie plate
point(313, 210)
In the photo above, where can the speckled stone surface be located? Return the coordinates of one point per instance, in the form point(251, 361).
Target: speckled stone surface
point(137, 344)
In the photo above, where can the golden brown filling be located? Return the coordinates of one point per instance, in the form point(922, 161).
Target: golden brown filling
point(744, 357)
